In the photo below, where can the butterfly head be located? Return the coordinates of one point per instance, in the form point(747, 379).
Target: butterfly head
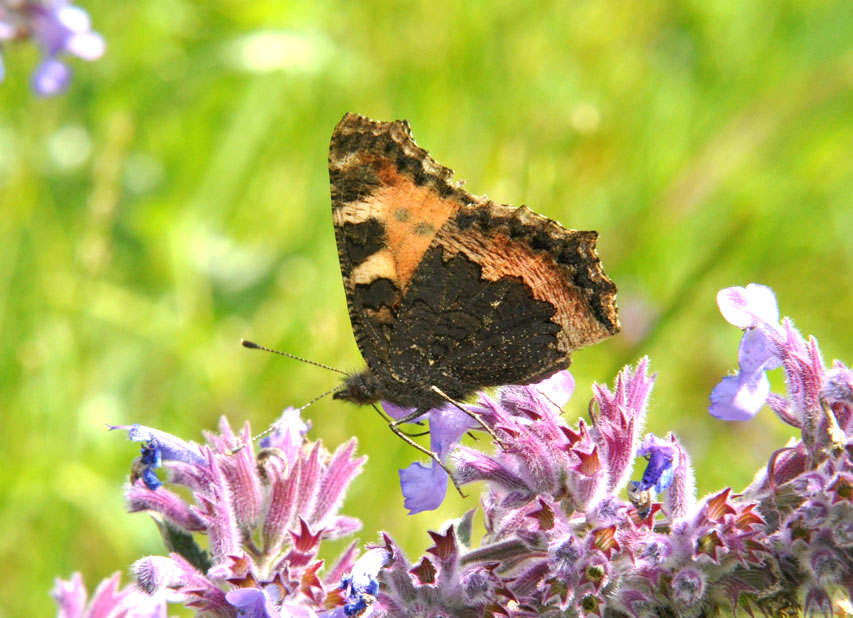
point(360, 388)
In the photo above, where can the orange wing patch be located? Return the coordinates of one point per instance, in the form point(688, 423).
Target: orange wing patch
point(417, 213)
point(546, 280)
point(412, 215)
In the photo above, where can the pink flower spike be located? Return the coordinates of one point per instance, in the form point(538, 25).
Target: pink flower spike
point(107, 600)
point(620, 420)
point(336, 477)
point(70, 596)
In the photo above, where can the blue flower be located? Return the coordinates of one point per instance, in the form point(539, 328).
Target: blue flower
point(60, 28)
point(158, 446)
point(663, 462)
point(361, 585)
point(424, 486)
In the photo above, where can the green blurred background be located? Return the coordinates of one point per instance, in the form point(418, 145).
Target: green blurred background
point(176, 199)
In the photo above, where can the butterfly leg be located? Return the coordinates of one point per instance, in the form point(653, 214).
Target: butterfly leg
point(395, 427)
point(388, 420)
point(476, 416)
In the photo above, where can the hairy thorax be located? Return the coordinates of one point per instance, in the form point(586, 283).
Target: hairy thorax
point(365, 388)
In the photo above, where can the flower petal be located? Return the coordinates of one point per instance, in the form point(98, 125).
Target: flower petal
point(51, 77)
point(757, 352)
point(396, 412)
point(86, 45)
point(750, 306)
point(446, 427)
point(73, 18)
point(740, 397)
point(367, 567)
point(558, 388)
point(70, 596)
point(251, 603)
point(171, 447)
point(7, 31)
point(424, 487)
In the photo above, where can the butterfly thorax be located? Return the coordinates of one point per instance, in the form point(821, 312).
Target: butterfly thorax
point(365, 388)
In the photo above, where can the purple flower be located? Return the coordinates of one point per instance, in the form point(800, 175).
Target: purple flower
point(754, 309)
point(559, 538)
point(425, 486)
point(59, 28)
point(158, 446)
point(255, 603)
point(361, 586)
point(663, 463)
point(264, 513)
point(51, 77)
point(252, 603)
point(816, 399)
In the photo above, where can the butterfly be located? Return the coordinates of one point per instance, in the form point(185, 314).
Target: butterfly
point(448, 292)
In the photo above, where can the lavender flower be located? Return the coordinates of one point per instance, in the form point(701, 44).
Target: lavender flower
point(817, 398)
point(265, 515)
point(157, 447)
point(58, 27)
point(560, 538)
point(425, 486)
point(664, 459)
point(753, 308)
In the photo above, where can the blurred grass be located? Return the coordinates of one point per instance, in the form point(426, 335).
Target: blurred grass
point(176, 199)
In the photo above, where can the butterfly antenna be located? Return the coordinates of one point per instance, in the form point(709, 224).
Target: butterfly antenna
point(274, 426)
point(256, 346)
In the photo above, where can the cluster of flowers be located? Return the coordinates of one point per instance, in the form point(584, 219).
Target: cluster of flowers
point(560, 541)
point(58, 27)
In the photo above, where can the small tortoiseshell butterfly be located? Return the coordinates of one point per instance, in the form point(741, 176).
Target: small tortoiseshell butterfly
point(449, 292)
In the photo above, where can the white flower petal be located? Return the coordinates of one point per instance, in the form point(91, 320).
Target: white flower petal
point(750, 306)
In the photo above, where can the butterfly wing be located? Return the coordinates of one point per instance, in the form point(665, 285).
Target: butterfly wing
point(389, 199)
point(502, 296)
point(450, 289)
